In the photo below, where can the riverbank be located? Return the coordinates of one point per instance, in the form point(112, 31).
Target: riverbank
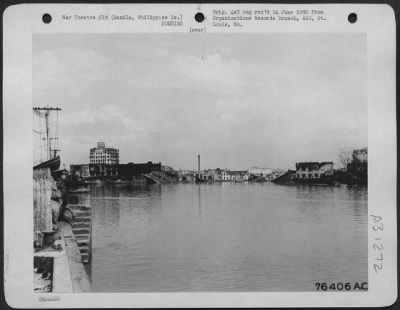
point(58, 264)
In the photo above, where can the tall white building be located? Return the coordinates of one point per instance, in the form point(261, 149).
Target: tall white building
point(102, 155)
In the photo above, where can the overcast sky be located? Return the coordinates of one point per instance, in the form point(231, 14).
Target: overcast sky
point(238, 100)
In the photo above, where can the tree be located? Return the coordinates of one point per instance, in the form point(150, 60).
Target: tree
point(345, 156)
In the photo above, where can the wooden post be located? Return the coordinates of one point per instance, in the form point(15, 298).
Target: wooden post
point(42, 188)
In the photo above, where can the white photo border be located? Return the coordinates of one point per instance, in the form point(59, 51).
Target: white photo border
point(22, 21)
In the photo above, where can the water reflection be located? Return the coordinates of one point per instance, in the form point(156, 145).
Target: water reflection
point(106, 210)
point(199, 198)
point(108, 201)
point(226, 237)
point(315, 202)
point(78, 198)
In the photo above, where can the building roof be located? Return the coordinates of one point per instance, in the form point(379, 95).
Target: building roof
point(312, 165)
point(238, 171)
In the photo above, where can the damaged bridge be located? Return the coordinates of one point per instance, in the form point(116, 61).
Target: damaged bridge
point(159, 177)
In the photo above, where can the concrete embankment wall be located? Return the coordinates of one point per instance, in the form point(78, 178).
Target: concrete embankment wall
point(51, 214)
point(42, 189)
point(79, 277)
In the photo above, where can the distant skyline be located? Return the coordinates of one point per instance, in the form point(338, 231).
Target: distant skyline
point(237, 100)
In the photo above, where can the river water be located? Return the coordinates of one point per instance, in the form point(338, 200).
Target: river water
point(226, 237)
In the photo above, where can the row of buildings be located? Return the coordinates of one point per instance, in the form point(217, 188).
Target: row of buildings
point(226, 175)
point(104, 163)
point(305, 171)
point(213, 175)
point(354, 172)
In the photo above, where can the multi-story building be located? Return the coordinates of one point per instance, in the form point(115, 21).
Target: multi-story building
point(234, 176)
point(104, 155)
point(239, 176)
point(205, 175)
point(186, 175)
point(314, 170)
point(217, 175)
point(226, 175)
point(103, 161)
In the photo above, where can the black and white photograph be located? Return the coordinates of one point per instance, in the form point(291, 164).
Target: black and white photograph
point(221, 163)
point(200, 156)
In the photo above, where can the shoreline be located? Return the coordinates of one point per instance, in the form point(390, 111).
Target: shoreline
point(57, 254)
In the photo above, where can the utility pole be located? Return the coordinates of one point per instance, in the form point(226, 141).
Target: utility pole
point(46, 115)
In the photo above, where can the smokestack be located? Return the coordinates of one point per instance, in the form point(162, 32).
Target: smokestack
point(198, 163)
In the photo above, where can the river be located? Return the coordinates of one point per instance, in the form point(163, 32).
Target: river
point(226, 237)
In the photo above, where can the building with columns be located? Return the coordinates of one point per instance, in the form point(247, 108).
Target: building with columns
point(103, 161)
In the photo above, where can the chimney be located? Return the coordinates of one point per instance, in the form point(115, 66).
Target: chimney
point(198, 163)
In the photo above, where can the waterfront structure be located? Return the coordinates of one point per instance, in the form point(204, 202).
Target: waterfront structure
point(314, 170)
point(257, 171)
point(276, 173)
point(226, 176)
point(61, 248)
point(205, 175)
point(100, 170)
point(285, 178)
point(234, 176)
point(103, 161)
point(208, 175)
point(185, 175)
point(167, 169)
point(131, 170)
point(217, 175)
point(239, 176)
point(80, 171)
point(184, 172)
